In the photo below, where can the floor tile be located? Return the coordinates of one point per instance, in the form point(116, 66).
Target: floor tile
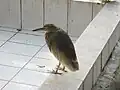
point(20, 48)
point(8, 29)
point(45, 64)
point(7, 72)
point(2, 83)
point(31, 77)
point(45, 49)
point(17, 86)
point(5, 35)
point(13, 60)
point(1, 42)
point(29, 39)
point(45, 53)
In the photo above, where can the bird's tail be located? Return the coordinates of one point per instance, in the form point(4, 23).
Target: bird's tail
point(71, 65)
point(75, 65)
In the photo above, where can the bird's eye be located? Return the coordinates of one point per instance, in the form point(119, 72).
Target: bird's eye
point(45, 27)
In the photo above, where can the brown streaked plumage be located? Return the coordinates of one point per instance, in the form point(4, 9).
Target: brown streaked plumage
point(61, 46)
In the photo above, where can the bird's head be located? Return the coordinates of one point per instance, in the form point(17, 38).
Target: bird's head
point(48, 28)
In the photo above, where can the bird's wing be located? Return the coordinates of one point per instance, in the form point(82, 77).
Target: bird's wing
point(62, 47)
point(65, 45)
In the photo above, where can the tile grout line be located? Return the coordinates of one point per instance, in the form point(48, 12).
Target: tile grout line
point(15, 54)
point(9, 39)
point(9, 66)
point(14, 28)
point(24, 84)
point(18, 82)
point(8, 27)
point(26, 44)
point(8, 31)
point(3, 80)
point(22, 32)
point(18, 68)
point(32, 34)
point(22, 68)
point(23, 55)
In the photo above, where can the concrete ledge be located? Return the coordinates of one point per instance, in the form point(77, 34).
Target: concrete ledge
point(93, 49)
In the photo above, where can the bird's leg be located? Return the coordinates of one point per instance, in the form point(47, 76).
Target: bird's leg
point(63, 69)
point(58, 67)
point(56, 71)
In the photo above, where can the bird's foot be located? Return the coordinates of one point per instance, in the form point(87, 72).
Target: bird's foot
point(55, 72)
point(60, 68)
point(63, 69)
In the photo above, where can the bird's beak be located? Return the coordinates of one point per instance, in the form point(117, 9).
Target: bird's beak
point(41, 29)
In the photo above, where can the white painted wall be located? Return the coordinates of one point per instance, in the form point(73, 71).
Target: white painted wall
point(70, 15)
point(10, 13)
point(32, 14)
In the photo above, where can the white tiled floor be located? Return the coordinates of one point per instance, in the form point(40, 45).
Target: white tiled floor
point(7, 72)
point(8, 29)
point(20, 54)
point(45, 64)
point(21, 49)
point(31, 77)
point(30, 39)
point(13, 60)
point(2, 83)
point(17, 86)
point(5, 35)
